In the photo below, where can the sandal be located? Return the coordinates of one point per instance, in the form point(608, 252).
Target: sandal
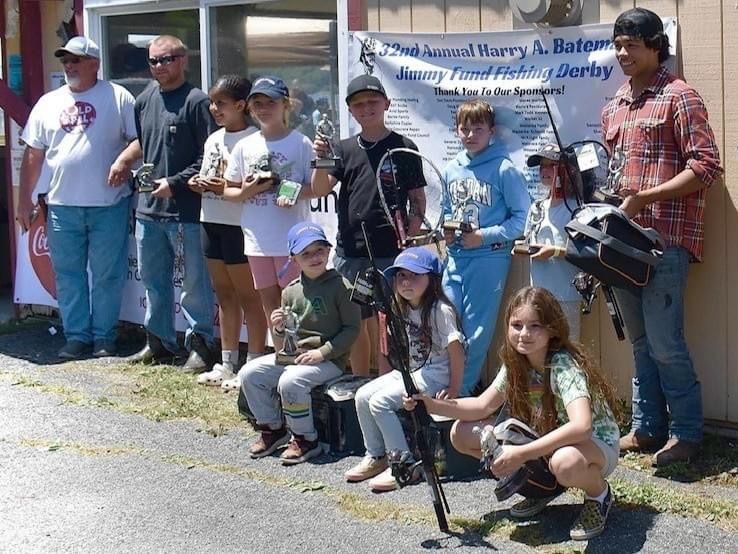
point(215, 377)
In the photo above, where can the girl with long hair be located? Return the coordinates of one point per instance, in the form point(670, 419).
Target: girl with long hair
point(222, 238)
point(550, 383)
point(436, 355)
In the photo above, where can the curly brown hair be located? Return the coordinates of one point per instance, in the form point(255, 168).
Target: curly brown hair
point(552, 317)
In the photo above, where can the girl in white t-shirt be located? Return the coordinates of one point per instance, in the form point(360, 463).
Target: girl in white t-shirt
point(263, 167)
point(545, 236)
point(436, 357)
point(222, 238)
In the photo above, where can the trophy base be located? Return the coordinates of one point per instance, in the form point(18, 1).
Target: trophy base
point(285, 358)
point(326, 163)
point(461, 226)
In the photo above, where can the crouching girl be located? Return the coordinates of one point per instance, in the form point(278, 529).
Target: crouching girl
point(549, 383)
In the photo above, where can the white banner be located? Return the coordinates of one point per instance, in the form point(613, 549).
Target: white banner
point(427, 76)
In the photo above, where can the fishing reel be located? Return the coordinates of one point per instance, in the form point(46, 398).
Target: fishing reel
point(404, 468)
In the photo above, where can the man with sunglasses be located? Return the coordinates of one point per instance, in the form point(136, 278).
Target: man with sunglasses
point(72, 137)
point(173, 121)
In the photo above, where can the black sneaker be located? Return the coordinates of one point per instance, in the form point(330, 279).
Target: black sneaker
point(200, 358)
point(153, 353)
point(104, 348)
point(73, 350)
point(591, 520)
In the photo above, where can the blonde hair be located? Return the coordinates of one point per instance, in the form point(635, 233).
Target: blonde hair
point(288, 106)
point(178, 47)
point(552, 317)
point(476, 111)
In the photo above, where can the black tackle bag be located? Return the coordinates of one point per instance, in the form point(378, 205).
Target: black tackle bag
point(605, 243)
point(534, 479)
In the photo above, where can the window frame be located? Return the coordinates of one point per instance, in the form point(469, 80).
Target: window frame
point(96, 10)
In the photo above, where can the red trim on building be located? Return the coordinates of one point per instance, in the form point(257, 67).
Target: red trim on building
point(356, 16)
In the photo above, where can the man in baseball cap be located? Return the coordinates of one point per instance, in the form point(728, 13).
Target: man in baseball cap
point(79, 46)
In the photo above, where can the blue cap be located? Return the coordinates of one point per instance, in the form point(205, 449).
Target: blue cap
point(303, 234)
point(79, 46)
point(418, 260)
point(273, 87)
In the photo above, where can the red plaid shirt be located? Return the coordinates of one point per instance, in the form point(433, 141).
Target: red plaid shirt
point(662, 132)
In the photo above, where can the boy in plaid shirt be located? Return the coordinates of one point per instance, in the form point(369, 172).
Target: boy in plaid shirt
point(656, 127)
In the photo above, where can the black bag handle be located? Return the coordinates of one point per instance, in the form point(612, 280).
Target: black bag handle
point(617, 245)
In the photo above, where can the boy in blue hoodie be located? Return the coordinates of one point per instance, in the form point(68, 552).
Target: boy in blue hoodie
point(485, 212)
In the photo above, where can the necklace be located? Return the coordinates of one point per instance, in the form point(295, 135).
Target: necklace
point(363, 146)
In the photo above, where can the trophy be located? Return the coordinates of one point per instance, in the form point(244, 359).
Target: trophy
point(290, 350)
point(325, 130)
point(214, 166)
point(615, 166)
point(461, 220)
point(143, 177)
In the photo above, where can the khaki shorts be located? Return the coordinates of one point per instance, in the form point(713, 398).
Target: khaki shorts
point(611, 454)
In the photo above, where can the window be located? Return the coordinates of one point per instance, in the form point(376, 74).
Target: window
point(126, 38)
point(283, 39)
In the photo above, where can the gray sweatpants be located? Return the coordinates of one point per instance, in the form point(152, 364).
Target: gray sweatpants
point(264, 383)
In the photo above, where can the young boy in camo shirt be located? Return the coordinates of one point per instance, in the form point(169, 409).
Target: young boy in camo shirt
point(327, 325)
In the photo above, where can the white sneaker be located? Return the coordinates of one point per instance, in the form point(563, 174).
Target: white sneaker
point(384, 482)
point(214, 377)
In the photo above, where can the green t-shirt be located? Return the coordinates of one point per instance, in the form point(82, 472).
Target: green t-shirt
point(568, 382)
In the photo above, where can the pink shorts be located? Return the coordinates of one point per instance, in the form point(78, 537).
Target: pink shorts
point(273, 270)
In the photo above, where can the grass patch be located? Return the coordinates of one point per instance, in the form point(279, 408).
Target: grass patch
point(718, 464)
point(80, 448)
point(16, 325)
point(667, 500)
point(159, 393)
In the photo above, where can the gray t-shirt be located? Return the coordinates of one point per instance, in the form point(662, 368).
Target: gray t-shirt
point(82, 134)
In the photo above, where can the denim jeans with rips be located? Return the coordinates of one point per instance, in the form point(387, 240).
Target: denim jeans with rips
point(667, 396)
point(96, 236)
point(170, 252)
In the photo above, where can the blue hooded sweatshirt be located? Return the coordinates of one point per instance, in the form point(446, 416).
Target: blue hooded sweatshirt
point(488, 191)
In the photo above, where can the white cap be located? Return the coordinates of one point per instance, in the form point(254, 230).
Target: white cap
point(79, 46)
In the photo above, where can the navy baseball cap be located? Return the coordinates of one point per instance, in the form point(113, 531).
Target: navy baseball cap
point(79, 46)
point(417, 259)
point(273, 87)
point(364, 83)
point(303, 234)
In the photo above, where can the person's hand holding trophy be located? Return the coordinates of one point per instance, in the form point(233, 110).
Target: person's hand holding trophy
point(324, 132)
point(462, 218)
point(286, 323)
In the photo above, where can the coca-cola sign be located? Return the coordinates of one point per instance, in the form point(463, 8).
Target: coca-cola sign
point(38, 251)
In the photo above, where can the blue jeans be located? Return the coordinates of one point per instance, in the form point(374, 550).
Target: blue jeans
point(665, 382)
point(475, 286)
point(98, 236)
point(170, 253)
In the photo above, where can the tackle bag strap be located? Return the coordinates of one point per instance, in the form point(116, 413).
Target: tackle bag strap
point(612, 242)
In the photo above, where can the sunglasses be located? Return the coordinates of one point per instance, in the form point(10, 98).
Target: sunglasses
point(70, 60)
point(164, 60)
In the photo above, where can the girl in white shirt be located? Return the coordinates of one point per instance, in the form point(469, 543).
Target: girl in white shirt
point(222, 238)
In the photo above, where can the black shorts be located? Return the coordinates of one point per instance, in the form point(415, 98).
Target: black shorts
point(223, 242)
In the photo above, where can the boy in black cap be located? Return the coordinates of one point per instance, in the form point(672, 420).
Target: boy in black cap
point(664, 157)
point(358, 199)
